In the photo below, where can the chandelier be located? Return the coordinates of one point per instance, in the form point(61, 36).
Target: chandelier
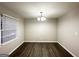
point(41, 17)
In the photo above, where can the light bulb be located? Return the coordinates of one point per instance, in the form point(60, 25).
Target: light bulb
point(38, 19)
point(43, 18)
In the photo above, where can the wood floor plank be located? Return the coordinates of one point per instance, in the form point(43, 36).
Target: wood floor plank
point(37, 50)
point(51, 52)
point(44, 50)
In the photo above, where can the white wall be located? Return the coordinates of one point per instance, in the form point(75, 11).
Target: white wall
point(68, 31)
point(40, 31)
point(10, 46)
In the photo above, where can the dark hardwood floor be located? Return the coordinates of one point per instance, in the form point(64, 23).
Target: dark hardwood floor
point(40, 50)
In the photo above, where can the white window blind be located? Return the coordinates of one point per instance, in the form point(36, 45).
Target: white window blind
point(8, 28)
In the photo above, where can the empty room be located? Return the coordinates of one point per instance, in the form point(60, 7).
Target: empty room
point(39, 29)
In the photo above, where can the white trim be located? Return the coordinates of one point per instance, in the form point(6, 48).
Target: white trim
point(46, 42)
point(16, 48)
point(43, 41)
point(8, 16)
point(67, 49)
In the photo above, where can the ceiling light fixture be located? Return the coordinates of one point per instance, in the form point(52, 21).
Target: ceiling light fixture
point(41, 18)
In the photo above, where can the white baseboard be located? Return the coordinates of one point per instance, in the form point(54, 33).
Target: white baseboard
point(46, 42)
point(16, 48)
point(43, 41)
point(67, 49)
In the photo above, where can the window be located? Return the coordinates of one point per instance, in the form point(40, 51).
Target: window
point(8, 28)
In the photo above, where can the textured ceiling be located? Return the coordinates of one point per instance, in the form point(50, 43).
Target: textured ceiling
point(33, 9)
